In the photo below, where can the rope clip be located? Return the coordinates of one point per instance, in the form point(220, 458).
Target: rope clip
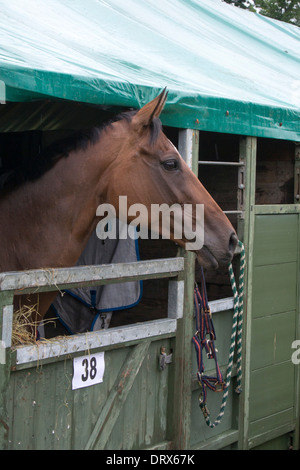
point(207, 310)
point(204, 410)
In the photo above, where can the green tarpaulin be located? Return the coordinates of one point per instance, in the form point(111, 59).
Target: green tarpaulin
point(226, 69)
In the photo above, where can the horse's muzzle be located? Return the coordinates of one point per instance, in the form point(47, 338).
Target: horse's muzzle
point(233, 241)
point(211, 258)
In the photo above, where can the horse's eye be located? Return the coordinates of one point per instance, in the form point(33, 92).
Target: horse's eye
point(171, 165)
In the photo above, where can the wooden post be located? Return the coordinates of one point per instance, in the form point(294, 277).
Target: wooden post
point(188, 148)
point(6, 312)
point(248, 147)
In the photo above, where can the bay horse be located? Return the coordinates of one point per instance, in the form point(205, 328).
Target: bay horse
point(47, 220)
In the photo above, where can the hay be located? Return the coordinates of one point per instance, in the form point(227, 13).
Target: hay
point(24, 330)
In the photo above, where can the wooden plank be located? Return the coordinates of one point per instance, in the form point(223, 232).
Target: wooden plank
point(277, 209)
point(271, 340)
point(116, 399)
point(93, 340)
point(248, 150)
point(221, 441)
point(274, 289)
point(183, 361)
point(175, 299)
point(188, 145)
point(270, 427)
point(271, 390)
point(221, 305)
point(5, 363)
point(21, 435)
point(275, 239)
point(41, 280)
point(296, 437)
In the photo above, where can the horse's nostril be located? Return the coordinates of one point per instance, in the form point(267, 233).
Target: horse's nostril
point(233, 241)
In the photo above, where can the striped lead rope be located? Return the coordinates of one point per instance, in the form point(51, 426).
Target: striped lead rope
point(236, 343)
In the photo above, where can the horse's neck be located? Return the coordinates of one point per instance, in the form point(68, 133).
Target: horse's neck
point(53, 217)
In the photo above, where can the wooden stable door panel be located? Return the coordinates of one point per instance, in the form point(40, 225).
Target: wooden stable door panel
point(271, 390)
point(271, 339)
point(274, 314)
point(275, 239)
point(128, 410)
point(269, 423)
point(274, 289)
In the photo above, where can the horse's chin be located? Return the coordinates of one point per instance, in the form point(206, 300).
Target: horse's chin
point(206, 259)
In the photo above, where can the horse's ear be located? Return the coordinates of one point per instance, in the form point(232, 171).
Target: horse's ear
point(147, 113)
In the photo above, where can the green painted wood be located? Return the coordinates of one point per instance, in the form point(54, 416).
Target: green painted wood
point(6, 299)
point(280, 209)
point(274, 289)
point(181, 400)
point(117, 397)
point(271, 390)
point(183, 361)
point(265, 429)
point(276, 239)
point(274, 324)
point(282, 442)
point(248, 149)
point(271, 340)
point(45, 413)
point(201, 432)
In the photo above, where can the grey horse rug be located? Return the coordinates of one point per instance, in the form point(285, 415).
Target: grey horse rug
point(90, 308)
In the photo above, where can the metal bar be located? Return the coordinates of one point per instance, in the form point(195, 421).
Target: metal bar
point(188, 147)
point(209, 162)
point(241, 184)
point(233, 212)
point(93, 340)
point(50, 279)
point(116, 398)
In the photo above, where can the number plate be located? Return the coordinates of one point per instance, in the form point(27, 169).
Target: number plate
point(88, 370)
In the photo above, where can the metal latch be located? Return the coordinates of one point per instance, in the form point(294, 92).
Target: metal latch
point(164, 358)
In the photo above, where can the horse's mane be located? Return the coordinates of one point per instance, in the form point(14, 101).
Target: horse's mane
point(39, 164)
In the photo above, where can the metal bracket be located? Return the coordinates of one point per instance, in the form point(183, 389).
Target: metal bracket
point(241, 190)
point(164, 358)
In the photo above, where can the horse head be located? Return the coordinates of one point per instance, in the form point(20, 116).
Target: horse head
point(148, 169)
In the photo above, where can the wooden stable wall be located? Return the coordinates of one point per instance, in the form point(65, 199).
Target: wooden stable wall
point(266, 414)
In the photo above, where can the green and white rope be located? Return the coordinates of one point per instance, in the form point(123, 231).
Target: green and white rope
point(236, 341)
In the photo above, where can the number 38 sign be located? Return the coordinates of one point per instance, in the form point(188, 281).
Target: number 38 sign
point(88, 370)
